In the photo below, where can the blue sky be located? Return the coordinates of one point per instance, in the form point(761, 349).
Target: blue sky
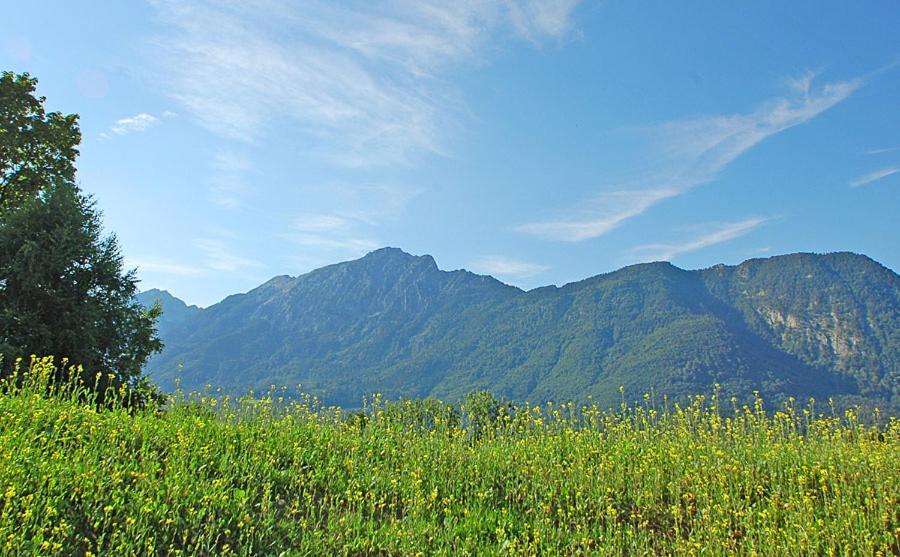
point(541, 141)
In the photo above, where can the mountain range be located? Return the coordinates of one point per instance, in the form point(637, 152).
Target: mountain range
point(801, 325)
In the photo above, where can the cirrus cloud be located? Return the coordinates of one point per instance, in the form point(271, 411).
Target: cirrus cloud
point(363, 80)
point(874, 176)
point(132, 124)
point(711, 234)
point(507, 267)
point(693, 152)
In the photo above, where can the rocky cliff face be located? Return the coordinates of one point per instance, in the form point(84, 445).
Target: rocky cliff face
point(837, 311)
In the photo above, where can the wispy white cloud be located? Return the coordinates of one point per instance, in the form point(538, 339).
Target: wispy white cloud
point(330, 234)
point(162, 266)
point(874, 176)
point(365, 80)
point(501, 266)
point(693, 152)
point(320, 223)
point(600, 215)
point(227, 181)
point(218, 256)
point(711, 234)
point(699, 148)
point(802, 82)
point(542, 18)
point(349, 226)
point(371, 203)
point(137, 123)
point(882, 150)
point(324, 239)
point(333, 243)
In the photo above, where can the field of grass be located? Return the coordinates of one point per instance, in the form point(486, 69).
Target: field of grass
point(215, 476)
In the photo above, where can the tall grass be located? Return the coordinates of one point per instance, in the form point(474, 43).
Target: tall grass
point(262, 476)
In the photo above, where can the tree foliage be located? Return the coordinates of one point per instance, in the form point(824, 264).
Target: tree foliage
point(481, 411)
point(37, 148)
point(63, 290)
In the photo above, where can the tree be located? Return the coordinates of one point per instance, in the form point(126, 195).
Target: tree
point(37, 148)
point(63, 290)
point(481, 410)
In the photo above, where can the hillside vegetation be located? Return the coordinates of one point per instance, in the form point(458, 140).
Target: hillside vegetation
point(797, 325)
point(218, 476)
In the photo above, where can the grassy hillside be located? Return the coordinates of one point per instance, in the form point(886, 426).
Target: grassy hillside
point(797, 325)
point(209, 476)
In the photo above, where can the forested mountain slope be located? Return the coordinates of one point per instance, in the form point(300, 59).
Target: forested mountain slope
point(796, 325)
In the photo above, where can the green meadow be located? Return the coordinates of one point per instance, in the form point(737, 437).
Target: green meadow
point(207, 475)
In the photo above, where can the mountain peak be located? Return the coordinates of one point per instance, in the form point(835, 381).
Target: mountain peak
point(156, 292)
point(164, 297)
point(388, 251)
point(174, 309)
point(397, 255)
point(656, 265)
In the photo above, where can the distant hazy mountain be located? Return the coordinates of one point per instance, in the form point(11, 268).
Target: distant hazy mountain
point(795, 325)
point(174, 310)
